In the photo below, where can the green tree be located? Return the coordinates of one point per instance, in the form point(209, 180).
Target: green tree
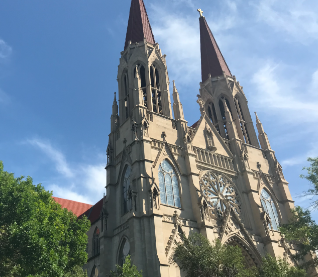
point(199, 258)
point(37, 236)
point(312, 177)
point(303, 232)
point(278, 268)
point(127, 270)
point(76, 271)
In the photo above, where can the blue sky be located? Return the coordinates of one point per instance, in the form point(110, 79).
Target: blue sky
point(58, 70)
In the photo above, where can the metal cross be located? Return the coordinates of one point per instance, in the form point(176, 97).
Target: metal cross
point(201, 12)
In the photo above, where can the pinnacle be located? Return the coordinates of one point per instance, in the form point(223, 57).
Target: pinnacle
point(212, 60)
point(138, 27)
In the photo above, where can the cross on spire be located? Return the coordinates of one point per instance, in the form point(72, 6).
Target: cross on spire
point(212, 60)
point(201, 12)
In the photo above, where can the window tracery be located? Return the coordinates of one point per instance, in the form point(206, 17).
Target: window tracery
point(212, 116)
point(127, 193)
point(155, 90)
point(96, 242)
point(270, 208)
point(168, 184)
point(142, 75)
point(124, 251)
point(242, 120)
point(219, 194)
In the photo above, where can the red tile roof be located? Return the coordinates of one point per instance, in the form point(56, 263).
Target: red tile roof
point(195, 124)
point(212, 60)
point(138, 24)
point(94, 212)
point(77, 208)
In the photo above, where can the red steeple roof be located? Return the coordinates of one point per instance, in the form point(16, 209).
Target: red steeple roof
point(212, 61)
point(138, 24)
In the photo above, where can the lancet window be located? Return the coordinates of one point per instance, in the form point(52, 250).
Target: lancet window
point(93, 272)
point(155, 90)
point(168, 184)
point(222, 110)
point(125, 85)
point(95, 242)
point(142, 75)
point(270, 208)
point(124, 251)
point(242, 120)
point(212, 116)
point(127, 193)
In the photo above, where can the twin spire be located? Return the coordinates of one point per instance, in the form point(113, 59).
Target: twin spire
point(212, 60)
point(138, 24)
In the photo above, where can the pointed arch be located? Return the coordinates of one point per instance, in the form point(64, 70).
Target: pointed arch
point(155, 89)
point(168, 184)
point(95, 242)
point(242, 119)
point(270, 208)
point(252, 258)
point(142, 75)
point(126, 190)
point(123, 250)
point(93, 272)
point(125, 93)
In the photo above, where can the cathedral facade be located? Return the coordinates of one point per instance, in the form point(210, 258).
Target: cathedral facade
point(218, 177)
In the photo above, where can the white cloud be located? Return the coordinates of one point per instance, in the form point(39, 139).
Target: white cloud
point(78, 182)
point(279, 94)
point(298, 18)
point(5, 50)
point(55, 155)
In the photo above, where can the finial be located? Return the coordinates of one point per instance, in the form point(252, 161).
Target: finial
point(257, 119)
point(174, 86)
point(115, 96)
point(201, 12)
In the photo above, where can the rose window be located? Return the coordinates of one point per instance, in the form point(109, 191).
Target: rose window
point(219, 193)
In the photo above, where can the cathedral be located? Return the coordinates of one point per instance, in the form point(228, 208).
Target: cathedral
point(218, 177)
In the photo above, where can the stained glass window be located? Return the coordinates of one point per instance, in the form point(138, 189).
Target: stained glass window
point(168, 184)
point(127, 190)
point(124, 251)
point(270, 209)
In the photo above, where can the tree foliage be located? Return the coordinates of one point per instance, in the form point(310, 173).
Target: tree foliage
point(278, 268)
point(76, 271)
point(199, 258)
point(312, 177)
point(127, 270)
point(37, 236)
point(303, 232)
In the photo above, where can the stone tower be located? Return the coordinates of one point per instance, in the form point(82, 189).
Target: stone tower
point(164, 176)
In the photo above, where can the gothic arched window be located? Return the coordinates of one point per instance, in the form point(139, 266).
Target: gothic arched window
point(127, 194)
point(242, 120)
point(124, 251)
point(155, 90)
point(270, 208)
point(212, 116)
point(142, 75)
point(125, 84)
point(96, 242)
point(168, 184)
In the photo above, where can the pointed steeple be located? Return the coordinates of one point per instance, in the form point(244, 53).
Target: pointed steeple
point(212, 60)
point(262, 136)
point(138, 24)
point(177, 106)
